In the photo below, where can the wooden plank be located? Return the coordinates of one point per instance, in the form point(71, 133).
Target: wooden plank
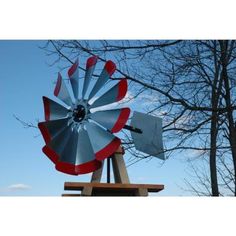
point(71, 195)
point(118, 186)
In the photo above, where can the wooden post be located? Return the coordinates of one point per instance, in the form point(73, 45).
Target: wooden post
point(97, 175)
point(108, 170)
point(96, 178)
point(119, 168)
point(142, 192)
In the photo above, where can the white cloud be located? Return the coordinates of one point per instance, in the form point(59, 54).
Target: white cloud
point(141, 178)
point(147, 99)
point(16, 187)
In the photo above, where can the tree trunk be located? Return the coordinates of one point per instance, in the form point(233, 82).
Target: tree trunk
point(213, 142)
point(227, 97)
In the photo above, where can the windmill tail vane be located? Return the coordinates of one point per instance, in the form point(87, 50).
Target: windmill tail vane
point(77, 138)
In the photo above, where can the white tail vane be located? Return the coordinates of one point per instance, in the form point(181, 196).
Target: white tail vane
point(77, 139)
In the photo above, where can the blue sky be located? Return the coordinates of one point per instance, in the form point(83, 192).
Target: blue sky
point(25, 77)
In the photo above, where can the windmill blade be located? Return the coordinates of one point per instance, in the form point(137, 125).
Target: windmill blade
point(66, 161)
point(115, 94)
point(108, 70)
point(73, 74)
point(104, 143)
point(62, 92)
point(78, 157)
point(50, 129)
point(113, 120)
point(90, 66)
point(55, 147)
point(53, 110)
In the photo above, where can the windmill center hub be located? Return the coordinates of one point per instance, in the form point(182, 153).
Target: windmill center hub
point(79, 113)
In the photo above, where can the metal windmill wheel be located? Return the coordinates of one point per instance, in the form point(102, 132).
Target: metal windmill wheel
point(77, 139)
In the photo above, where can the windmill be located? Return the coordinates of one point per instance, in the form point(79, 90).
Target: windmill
point(79, 137)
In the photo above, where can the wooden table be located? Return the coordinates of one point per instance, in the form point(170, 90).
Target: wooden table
point(111, 189)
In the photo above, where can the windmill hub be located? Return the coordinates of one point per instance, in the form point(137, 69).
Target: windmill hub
point(79, 113)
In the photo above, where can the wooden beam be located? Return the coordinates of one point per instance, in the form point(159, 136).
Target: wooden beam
point(143, 192)
point(81, 185)
point(119, 168)
point(96, 178)
point(97, 175)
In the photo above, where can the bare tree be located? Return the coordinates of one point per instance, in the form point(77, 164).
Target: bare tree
point(189, 83)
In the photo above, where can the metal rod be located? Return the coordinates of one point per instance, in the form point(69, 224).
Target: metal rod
point(133, 129)
point(108, 170)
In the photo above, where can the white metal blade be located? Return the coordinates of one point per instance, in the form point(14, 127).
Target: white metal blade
point(73, 74)
point(67, 158)
point(90, 66)
point(50, 129)
point(78, 156)
point(55, 147)
point(115, 94)
point(108, 70)
point(53, 110)
point(84, 150)
point(114, 120)
point(104, 144)
point(62, 92)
